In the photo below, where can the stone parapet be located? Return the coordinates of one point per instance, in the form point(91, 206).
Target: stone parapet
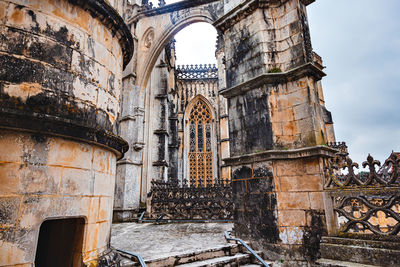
point(307, 152)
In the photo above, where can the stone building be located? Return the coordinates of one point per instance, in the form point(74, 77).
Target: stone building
point(81, 81)
point(60, 84)
point(273, 124)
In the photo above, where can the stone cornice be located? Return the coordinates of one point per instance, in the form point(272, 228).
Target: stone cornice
point(129, 162)
point(61, 127)
point(308, 69)
point(307, 152)
point(101, 10)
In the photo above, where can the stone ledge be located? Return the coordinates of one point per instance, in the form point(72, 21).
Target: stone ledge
point(371, 243)
point(161, 132)
point(308, 69)
point(360, 251)
point(128, 162)
point(361, 190)
point(101, 10)
point(307, 152)
point(160, 163)
point(61, 127)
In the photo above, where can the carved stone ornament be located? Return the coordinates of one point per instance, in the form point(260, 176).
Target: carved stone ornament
point(149, 38)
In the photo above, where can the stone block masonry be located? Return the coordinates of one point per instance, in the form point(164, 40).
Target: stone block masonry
point(60, 84)
point(277, 127)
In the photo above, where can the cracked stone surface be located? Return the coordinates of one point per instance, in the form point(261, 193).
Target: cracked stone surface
point(154, 241)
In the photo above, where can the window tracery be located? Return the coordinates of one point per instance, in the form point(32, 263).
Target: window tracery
point(200, 150)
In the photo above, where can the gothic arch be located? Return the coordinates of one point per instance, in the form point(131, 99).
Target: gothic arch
point(162, 38)
point(208, 170)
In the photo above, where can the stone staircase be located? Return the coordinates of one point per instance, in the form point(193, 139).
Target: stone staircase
point(228, 255)
point(346, 252)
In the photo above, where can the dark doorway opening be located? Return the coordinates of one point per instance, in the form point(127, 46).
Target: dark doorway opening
point(60, 243)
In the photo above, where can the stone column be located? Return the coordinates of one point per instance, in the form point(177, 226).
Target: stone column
point(129, 168)
point(60, 84)
point(173, 143)
point(225, 172)
point(160, 122)
point(155, 163)
point(276, 128)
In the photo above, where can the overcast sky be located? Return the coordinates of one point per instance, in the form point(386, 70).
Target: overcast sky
point(359, 41)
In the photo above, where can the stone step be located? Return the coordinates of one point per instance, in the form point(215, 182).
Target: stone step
point(335, 263)
point(188, 257)
point(235, 260)
point(372, 252)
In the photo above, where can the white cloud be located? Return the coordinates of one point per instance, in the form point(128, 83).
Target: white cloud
point(196, 44)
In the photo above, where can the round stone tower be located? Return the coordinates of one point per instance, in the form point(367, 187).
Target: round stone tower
point(61, 67)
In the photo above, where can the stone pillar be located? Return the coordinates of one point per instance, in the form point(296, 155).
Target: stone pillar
point(225, 172)
point(276, 128)
point(129, 169)
point(173, 143)
point(60, 84)
point(160, 122)
point(155, 163)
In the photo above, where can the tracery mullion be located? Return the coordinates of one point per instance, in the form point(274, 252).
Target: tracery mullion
point(204, 154)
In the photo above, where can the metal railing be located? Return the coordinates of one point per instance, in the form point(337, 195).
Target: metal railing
point(137, 256)
point(228, 237)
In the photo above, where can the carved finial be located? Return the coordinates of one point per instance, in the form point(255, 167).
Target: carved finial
point(161, 3)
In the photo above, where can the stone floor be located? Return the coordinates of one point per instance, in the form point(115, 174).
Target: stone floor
point(154, 241)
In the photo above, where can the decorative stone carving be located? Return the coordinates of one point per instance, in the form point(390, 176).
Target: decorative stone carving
point(148, 38)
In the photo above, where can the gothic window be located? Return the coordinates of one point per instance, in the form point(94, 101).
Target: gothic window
point(200, 152)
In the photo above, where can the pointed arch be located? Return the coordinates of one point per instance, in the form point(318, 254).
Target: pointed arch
point(200, 142)
point(164, 34)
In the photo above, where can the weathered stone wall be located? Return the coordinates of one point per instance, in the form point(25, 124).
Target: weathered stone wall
point(274, 38)
point(60, 84)
point(278, 125)
point(47, 178)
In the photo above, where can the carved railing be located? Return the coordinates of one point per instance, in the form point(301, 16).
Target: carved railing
point(183, 202)
point(341, 146)
point(195, 72)
point(367, 203)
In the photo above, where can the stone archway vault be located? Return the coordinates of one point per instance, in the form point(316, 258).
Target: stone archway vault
point(164, 27)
